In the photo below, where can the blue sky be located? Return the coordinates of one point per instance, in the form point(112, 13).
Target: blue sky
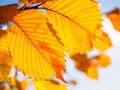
point(107, 5)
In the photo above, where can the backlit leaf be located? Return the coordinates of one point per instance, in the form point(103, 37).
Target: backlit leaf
point(81, 62)
point(21, 85)
point(33, 46)
point(103, 60)
point(114, 16)
point(7, 12)
point(49, 85)
point(92, 71)
point(104, 42)
point(75, 22)
point(5, 57)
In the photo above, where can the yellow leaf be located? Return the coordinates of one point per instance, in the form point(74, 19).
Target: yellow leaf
point(21, 85)
point(103, 60)
point(92, 71)
point(7, 12)
point(114, 16)
point(5, 57)
point(49, 85)
point(34, 48)
point(74, 22)
point(39, 85)
point(104, 42)
point(12, 81)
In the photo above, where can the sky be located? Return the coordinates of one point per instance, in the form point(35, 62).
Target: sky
point(107, 5)
point(109, 78)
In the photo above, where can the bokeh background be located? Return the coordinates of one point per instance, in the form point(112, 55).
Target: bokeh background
point(109, 78)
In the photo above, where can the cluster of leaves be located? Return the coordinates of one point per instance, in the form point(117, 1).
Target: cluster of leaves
point(41, 31)
point(89, 65)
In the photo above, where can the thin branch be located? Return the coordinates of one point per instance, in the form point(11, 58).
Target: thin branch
point(27, 6)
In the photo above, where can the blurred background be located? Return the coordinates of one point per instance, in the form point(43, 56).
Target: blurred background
point(109, 77)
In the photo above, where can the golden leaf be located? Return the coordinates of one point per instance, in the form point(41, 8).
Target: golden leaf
point(13, 81)
point(103, 60)
point(7, 12)
point(5, 57)
point(49, 85)
point(21, 85)
point(92, 71)
point(74, 21)
point(114, 16)
point(34, 48)
point(104, 42)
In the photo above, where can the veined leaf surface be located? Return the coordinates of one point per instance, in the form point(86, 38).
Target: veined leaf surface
point(33, 46)
point(74, 21)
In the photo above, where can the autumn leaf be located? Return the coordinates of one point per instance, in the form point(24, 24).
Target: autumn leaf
point(5, 57)
point(103, 43)
point(4, 87)
point(74, 82)
point(49, 85)
point(81, 62)
point(20, 85)
point(74, 21)
point(103, 60)
point(92, 71)
point(33, 47)
point(87, 65)
point(7, 12)
point(114, 16)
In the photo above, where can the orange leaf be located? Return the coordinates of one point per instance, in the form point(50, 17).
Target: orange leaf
point(81, 62)
point(103, 60)
point(7, 12)
point(4, 88)
point(92, 71)
point(22, 85)
point(74, 82)
point(114, 16)
point(74, 22)
point(104, 42)
point(34, 47)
